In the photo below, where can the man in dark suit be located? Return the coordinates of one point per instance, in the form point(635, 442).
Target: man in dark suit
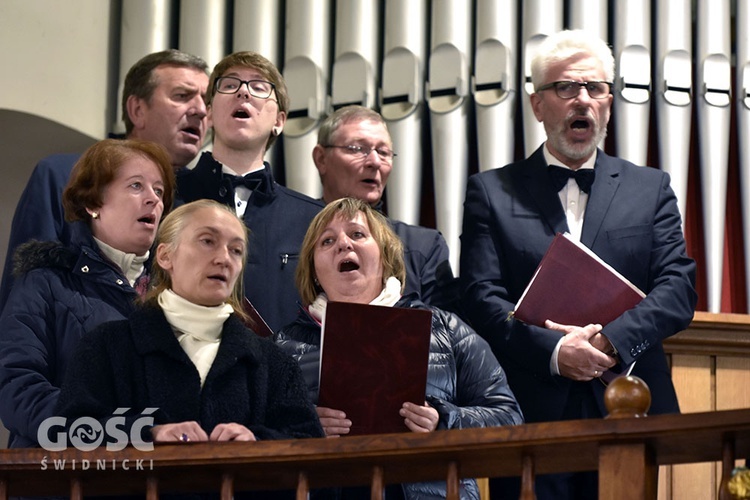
point(354, 157)
point(626, 214)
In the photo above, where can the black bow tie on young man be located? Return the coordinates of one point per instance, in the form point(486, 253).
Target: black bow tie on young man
point(251, 181)
point(560, 175)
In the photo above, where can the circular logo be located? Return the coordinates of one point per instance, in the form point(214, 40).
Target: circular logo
point(86, 433)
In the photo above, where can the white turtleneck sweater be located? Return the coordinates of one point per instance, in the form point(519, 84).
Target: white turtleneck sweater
point(198, 328)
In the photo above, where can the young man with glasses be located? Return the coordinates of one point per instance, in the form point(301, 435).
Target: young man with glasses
point(162, 102)
point(247, 104)
point(626, 214)
point(354, 157)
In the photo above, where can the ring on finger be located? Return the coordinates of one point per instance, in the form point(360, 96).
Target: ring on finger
point(184, 438)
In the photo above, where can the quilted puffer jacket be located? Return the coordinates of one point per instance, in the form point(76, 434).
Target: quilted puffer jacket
point(465, 382)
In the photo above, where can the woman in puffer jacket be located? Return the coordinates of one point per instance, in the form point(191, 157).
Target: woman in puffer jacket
point(116, 196)
point(350, 254)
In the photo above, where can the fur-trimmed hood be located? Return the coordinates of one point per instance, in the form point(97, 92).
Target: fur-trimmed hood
point(40, 254)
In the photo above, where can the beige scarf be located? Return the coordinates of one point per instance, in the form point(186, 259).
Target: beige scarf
point(388, 297)
point(198, 328)
point(130, 264)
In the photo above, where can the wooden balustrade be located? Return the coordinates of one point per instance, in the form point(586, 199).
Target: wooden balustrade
point(626, 451)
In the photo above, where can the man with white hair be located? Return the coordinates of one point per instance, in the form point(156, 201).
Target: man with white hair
point(625, 214)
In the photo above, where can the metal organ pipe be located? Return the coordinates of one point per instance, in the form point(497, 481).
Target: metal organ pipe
point(308, 28)
point(203, 29)
point(355, 70)
point(447, 100)
point(590, 15)
point(714, 81)
point(673, 90)
point(541, 18)
point(495, 84)
point(145, 28)
point(257, 27)
point(632, 49)
point(405, 49)
point(743, 125)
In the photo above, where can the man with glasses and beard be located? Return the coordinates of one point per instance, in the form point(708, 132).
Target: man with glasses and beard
point(625, 214)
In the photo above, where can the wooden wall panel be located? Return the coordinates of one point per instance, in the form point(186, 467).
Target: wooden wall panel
point(732, 383)
point(692, 376)
point(665, 483)
point(693, 379)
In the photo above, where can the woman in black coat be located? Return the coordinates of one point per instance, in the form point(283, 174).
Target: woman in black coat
point(187, 353)
point(350, 254)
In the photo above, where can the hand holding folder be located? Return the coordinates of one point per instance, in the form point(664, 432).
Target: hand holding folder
point(372, 360)
point(573, 286)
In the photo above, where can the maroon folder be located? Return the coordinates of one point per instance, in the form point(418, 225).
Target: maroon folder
point(372, 360)
point(573, 286)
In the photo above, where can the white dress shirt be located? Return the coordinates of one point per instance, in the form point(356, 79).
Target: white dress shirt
point(573, 201)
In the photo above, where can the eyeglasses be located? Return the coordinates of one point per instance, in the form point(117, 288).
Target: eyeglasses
point(568, 89)
point(257, 88)
point(363, 152)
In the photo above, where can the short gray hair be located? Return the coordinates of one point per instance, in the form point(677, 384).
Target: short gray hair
point(343, 115)
point(566, 44)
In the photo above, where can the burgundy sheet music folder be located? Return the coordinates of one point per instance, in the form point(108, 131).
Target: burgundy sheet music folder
point(573, 286)
point(372, 360)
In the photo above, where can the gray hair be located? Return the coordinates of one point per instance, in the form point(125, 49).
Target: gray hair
point(344, 115)
point(566, 44)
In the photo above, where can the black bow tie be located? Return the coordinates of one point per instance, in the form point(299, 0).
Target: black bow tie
point(251, 181)
point(583, 176)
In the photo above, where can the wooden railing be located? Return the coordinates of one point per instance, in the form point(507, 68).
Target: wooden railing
point(626, 451)
point(710, 361)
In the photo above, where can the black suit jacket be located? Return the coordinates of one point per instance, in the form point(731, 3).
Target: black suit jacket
point(428, 269)
point(632, 222)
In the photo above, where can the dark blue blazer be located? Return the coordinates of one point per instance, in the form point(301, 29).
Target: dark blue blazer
point(632, 222)
point(39, 214)
point(277, 218)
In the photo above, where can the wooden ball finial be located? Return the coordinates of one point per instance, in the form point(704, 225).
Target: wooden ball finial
point(627, 397)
